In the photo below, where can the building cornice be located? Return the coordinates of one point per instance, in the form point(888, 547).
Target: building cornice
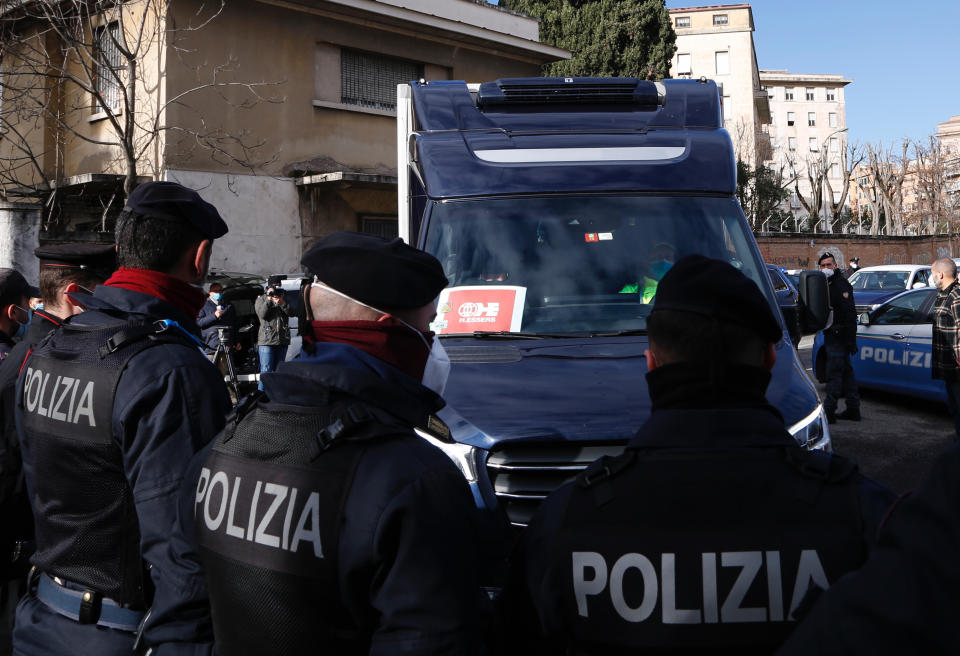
point(784, 76)
point(392, 17)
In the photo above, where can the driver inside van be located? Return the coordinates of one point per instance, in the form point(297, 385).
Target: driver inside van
point(659, 260)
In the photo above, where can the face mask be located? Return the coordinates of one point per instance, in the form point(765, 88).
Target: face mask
point(659, 268)
point(22, 328)
point(437, 369)
point(827, 272)
point(216, 297)
point(38, 306)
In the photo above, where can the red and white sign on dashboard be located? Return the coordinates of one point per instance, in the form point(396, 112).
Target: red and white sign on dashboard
point(490, 308)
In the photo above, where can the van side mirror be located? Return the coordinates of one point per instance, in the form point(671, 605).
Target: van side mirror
point(864, 319)
point(816, 302)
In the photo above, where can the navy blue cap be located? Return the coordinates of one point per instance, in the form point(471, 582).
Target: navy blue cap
point(100, 259)
point(715, 289)
point(14, 287)
point(174, 202)
point(379, 272)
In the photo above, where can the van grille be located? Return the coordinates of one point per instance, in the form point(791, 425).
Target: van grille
point(523, 474)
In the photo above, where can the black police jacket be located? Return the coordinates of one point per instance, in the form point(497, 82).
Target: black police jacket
point(168, 403)
point(844, 328)
point(366, 547)
point(705, 535)
point(906, 598)
point(17, 524)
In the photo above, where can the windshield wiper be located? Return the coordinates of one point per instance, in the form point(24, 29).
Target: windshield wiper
point(621, 333)
point(504, 334)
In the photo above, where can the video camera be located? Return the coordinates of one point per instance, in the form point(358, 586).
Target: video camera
point(225, 335)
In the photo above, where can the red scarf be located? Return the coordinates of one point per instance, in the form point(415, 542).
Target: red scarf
point(394, 344)
point(183, 296)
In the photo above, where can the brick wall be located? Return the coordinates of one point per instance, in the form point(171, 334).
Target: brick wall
point(801, 251)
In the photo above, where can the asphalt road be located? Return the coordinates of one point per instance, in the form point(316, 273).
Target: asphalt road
point(898, 438)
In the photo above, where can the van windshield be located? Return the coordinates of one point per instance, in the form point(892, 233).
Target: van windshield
point(573, 264)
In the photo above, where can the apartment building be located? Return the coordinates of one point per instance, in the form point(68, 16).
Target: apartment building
point(716, 42)
point(322, 124)
point(808, 132)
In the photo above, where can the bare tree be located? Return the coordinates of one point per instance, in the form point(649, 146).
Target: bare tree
point(849, 158)
point(931, 184)
point(64, 60)
point(889, 171)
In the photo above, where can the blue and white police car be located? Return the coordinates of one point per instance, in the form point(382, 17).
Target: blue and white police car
point(894, 350)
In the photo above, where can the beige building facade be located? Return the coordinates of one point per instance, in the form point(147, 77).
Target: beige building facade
point(716, 42)
point(808, 133)
point(298, 139)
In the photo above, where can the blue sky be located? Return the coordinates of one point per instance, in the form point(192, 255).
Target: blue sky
point(903, 57)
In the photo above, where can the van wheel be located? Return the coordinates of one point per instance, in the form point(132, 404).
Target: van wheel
point(820, 368)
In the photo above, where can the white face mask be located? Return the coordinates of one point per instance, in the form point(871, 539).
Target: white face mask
point(827, 272)
point(437, 370)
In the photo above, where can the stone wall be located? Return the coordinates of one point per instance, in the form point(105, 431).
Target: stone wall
point(19, 234)
point(801, 251)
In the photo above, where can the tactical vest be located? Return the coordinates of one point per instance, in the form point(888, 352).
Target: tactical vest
point(268, 510)
point(85, 519)
point(680, 549)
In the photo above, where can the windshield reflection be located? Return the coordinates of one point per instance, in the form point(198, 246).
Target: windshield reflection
point(573, 265)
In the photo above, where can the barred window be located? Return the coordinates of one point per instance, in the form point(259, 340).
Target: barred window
point(371, 80)
point(109, 64)
point(379, 226)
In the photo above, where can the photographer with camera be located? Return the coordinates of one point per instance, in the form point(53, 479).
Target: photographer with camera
point(274, 336)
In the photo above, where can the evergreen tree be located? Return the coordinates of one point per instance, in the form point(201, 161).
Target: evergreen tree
point(617, 38)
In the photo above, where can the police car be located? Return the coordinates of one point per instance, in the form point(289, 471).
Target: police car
point(894, 347)
point(877, 284)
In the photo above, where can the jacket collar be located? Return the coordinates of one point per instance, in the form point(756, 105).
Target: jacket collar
point(119, 301)
point(712, 429)
point(340, 369)
point(41, 325)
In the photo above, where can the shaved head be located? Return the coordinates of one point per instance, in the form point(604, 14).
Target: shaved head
point(946, 266)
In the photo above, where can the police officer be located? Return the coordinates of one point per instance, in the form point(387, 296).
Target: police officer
point(64, 269)
point(840, 341)
point(906, 598)
point(110, 408)
point(708, 531)
point(344, 528)
point(15, 295)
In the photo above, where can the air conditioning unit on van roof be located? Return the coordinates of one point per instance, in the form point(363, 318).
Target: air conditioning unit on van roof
point(641, 94)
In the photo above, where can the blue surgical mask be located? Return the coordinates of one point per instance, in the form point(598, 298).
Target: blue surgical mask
point(216, 297)
point(22, 328)
point(659, 268)
point(38, 306)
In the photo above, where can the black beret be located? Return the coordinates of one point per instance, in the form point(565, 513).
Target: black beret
point(13, 287)
point(100, 259)
point(174, 202)
point(376, 271)
point(715, 289)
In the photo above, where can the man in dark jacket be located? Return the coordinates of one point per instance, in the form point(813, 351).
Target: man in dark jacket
point(110, 409)
point(274, 336)
point(906, 599)
point(64, 269)
point(215, 314)
point(706, 534)
point(15, 295)
point(946, 333)
point(839, 342)
point(346, 529)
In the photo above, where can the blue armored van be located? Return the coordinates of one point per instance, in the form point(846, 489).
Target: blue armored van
point(555, 206)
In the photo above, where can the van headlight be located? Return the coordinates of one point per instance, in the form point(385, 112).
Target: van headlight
point(813, 432)
point(464, 456)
